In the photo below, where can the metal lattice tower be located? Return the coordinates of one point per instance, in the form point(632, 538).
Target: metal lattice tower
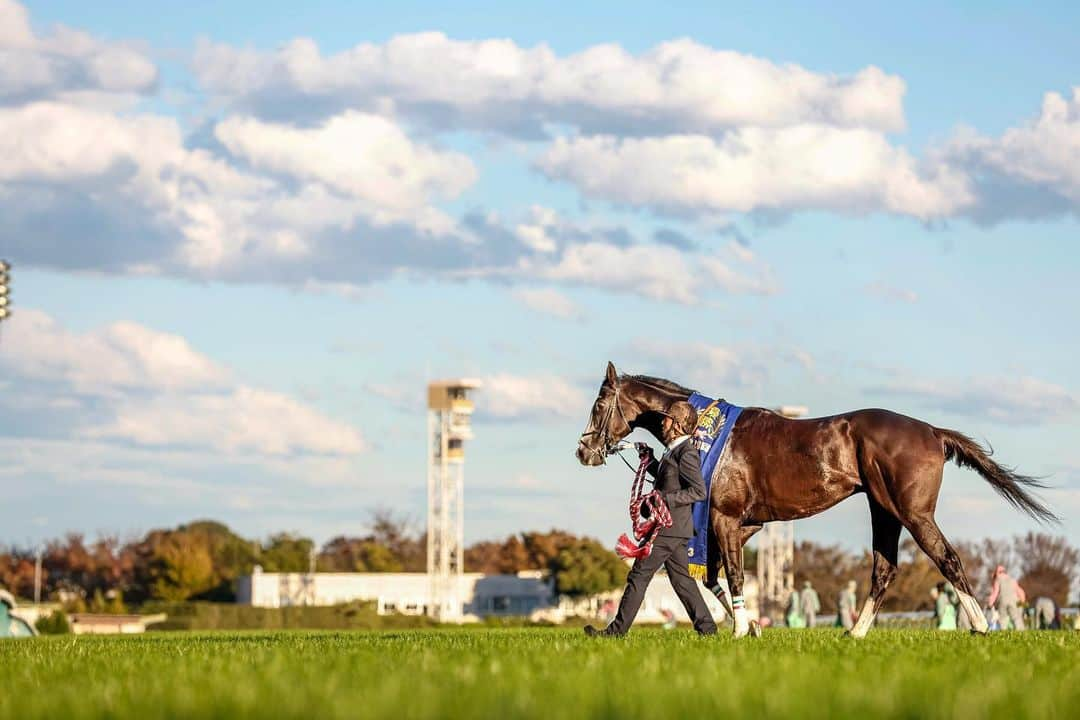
point(5, 290)
point(449, 412)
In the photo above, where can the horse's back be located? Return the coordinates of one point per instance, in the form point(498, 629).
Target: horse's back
point(802, 466)
point(875, 425)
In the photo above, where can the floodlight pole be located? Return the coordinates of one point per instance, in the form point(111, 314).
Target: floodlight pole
point(37, 575)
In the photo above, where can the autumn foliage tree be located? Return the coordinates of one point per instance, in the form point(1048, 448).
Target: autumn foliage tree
point(1047, 565)
point(202, 560)
point(174, 565)
point(17, 571)
point(390, 545)
point(344, 554)
point(585, 567)
point(1044, 565)
point(523, 551)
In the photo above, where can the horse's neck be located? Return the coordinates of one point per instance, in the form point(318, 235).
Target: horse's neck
point(655, 399)
point(652, 401)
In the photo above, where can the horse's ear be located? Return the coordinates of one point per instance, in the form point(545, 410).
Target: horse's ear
point(612, 376)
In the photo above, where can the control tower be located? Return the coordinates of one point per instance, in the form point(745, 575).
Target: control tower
point(449, 414)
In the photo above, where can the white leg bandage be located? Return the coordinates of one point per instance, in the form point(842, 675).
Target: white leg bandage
point(718, 591)
point(865, 621)
point(742, 620)
point(974, 613)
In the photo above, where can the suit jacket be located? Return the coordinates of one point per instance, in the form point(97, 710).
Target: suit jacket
point(678, 478)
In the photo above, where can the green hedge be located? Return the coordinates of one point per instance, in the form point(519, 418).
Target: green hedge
point(55, 623)
point(227, 616)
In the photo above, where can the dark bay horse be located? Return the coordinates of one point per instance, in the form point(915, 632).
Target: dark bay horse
point(775, 468)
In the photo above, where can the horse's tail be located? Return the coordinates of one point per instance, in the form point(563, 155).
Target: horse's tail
point(1008, 483)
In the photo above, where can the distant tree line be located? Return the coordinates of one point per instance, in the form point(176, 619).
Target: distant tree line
point(579, 566)
point(202, 560)
point(1044, 565)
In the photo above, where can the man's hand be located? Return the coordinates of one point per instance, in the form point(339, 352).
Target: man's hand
point(643, 449)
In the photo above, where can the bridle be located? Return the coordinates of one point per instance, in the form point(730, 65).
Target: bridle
point(610, 445)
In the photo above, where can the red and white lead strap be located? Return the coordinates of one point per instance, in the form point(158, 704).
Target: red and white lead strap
point(649, 515)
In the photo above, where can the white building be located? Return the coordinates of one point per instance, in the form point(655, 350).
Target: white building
point(524, 594)
point(100, 624)
point(407, 593)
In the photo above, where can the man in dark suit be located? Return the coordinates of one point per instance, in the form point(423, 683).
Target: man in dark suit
point(678, 478)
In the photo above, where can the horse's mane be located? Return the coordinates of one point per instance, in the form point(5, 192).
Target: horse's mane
point(660, 384)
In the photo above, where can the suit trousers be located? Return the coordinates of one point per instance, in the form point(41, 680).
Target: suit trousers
point(670, 552)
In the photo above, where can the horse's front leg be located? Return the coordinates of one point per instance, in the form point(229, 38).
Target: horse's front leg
point(729, 537)
point(715, 562)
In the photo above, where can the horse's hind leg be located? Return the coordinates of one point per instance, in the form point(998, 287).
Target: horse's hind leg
point(918, 518)
point(930, 538)
point(886, 529)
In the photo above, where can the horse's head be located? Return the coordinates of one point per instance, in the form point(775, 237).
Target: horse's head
point(623, 405)
point(609, 421)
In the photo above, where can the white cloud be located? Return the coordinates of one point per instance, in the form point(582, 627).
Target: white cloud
point(1028, 171)
point(659, 272)
point(548, 301)
point(50, 141)
point(700, 365)
point(15, 30)
point(121, 356)
point(138, 201)
point(678, 85)
point(361, 155)
point(1012, 400)
point(720, 370)
point(160, 207)
point(891, 292)
point(339, 195)
point(1045, 152)
point(151, 388)
point(244, 419)
point(537, 232)
point(198, 211)
point(516, 397)
point(799, 167)
point(132, 489)
point(67, 63)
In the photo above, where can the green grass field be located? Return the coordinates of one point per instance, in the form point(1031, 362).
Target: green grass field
point(542, 673)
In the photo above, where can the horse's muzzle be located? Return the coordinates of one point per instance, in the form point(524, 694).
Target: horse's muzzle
point(587, 456)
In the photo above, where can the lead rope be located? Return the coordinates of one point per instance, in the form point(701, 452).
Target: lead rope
point(649, 515)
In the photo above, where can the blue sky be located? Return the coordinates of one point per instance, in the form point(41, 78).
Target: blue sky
point(240, 257)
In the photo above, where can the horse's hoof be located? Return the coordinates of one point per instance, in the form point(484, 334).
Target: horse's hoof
point(755, 629)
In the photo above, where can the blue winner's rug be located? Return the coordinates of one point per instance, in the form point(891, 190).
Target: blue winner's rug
point(716, 418)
